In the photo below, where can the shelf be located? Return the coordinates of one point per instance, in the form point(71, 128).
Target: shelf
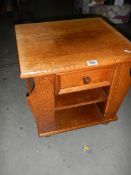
point(75, 118)
point(71, 100)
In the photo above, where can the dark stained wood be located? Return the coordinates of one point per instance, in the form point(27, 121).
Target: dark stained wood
point(63, 46)
point(80, 98)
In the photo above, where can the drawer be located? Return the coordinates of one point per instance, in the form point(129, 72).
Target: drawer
point(84, 79)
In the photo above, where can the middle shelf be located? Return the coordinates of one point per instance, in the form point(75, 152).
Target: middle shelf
point(81, 98)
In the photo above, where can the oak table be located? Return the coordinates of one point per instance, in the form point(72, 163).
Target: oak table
point(77, 72)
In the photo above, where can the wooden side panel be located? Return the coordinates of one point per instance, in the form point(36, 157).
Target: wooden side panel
point(119, 88)
point(42, 103)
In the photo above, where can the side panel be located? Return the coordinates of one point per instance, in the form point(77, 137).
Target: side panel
point(42, 103)
point(119, 88)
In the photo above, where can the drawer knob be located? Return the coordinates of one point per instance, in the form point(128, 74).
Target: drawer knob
point(86, 80)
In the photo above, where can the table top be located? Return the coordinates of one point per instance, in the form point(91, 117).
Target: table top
point(53, 47)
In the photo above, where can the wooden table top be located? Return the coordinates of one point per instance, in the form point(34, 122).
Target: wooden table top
point(53, 47)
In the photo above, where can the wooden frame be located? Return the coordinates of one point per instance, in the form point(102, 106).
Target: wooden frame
point(68, 93)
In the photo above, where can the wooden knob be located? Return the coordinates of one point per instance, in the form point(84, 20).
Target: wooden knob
point(86, 80)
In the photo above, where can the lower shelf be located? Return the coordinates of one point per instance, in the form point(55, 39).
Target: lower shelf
point(75, 118)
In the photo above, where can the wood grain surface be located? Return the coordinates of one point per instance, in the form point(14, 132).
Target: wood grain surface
point(67, 93)
point(42, 103)
point(73, 81)
point(80, 98)
point(53, 47)
point(120, 86)
point(75, 118)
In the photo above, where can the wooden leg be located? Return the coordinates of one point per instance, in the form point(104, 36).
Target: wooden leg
point(42, 103)
point(119, 88)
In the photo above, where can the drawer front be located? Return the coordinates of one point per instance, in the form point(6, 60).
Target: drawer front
point(86, 79)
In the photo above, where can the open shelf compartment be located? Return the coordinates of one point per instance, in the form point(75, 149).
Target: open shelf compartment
point(79, 110)
point(75, 118)
point(81, 98)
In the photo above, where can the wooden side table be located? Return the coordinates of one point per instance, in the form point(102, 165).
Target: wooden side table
point(77, 72)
